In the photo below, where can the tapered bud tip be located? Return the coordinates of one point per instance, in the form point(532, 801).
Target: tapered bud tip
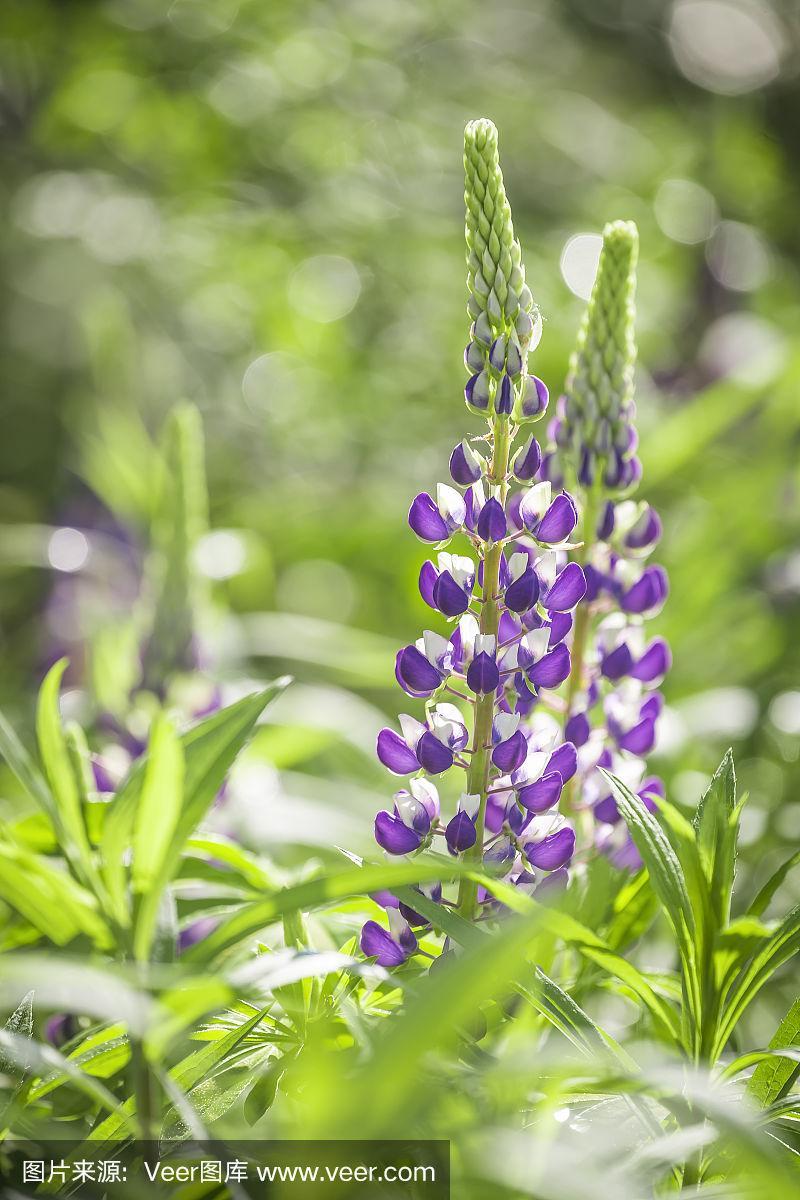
point(622, 237)
point(480, 132)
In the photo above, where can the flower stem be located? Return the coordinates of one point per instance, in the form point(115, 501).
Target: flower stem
point(478, 777)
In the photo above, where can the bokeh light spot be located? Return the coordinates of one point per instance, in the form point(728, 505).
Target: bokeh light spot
point(738, 257)
point(68, 550)
point(221, 554)
point(324, 288)
point(685, 211)
point(726, 46)
point(579, 260)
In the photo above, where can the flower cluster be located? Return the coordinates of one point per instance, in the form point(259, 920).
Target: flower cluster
point(612, 701)
point(488, 686)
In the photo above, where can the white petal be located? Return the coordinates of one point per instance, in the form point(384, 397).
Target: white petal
point(535, 502)
point(517, 565)
point(485, 643)
point(412, 729)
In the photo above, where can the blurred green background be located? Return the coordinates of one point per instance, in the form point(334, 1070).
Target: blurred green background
point(258, 207)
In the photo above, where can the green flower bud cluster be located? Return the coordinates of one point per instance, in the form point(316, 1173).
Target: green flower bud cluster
point(505, 321)
point(594, 428)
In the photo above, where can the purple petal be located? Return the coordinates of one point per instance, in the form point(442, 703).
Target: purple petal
point(640, 739)
point(427, 579)
point(587, 468)
point(511, 753)
point(448, 597)
point(560, 625)
point(476, 393)
point(426, 520)
point(652, 707)
point(559, 520)
point(543, 794)
point(385, 899)
point(618, 663)
point(606, 810)
point(395, 754)
point(483, 675)
point(553, 851)
point(392, 834)
point(564, 760)
point(528, 461)
point(433, 755)
point(605, 526)
point(460, 833)
point(551, 670)
point(492, 521)
point(567, 590)
point(577, 729)
point(647, 593)
point(595, 582)
point(464, 469)
point(646, 532)
point(379, 944)
point(535, 397)
point(654, 663)
point(523, 593)
point(504, 399)
point(495, 813)
point(415, 674)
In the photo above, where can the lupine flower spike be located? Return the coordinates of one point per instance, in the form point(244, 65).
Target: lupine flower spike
point(612, 707)
point(486, 685)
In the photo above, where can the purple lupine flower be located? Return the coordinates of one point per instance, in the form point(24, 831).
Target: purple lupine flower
point(512, 597)
point(466, 467)
point(437, 520)
point(612, 708)
point(389, 947)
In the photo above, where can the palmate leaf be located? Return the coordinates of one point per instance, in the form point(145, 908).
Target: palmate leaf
point(191, 1071)
point(45, 1061)
point(102, 1053)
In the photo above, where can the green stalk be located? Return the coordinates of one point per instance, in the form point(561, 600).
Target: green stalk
point(581, 629)
point(478, 776)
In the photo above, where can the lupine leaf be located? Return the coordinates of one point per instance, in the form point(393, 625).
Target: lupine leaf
point(160, 802)
point(209, 748)
point(765, 895)
point(634, 910)
point(778, 949)
point(20, 1023)
point(45, 1060)
point(248, 919)
point(669, 883)
point(187, 1074)
point(58, 769)
point(716, 824)
point(773, 1077)
point(49, 899)
point(24, 768)
point(102, 1053)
